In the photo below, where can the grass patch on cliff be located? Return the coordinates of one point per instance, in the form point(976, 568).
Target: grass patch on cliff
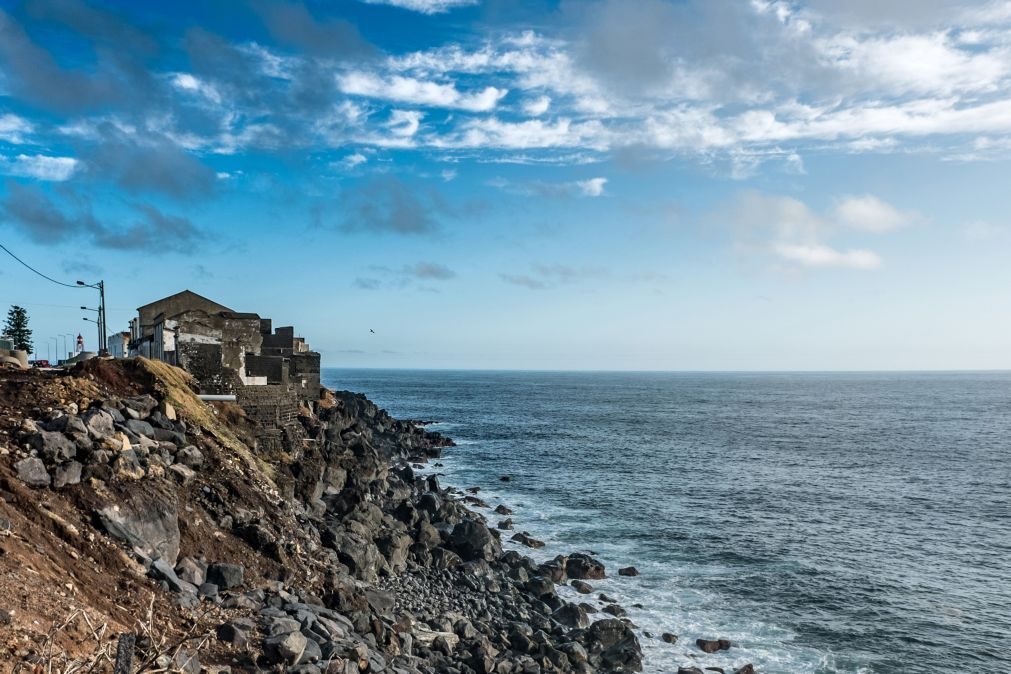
point(178, 388)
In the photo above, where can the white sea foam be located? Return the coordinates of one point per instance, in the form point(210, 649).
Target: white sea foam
point(667, 599)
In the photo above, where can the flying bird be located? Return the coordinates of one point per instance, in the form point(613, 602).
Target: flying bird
point(372, 331)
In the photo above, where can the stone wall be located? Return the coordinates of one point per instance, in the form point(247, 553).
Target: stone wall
point(271, 406)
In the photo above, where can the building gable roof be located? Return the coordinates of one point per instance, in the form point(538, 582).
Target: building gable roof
point(184, 295)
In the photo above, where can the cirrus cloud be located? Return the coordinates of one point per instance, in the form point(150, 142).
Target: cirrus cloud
point(425, 6)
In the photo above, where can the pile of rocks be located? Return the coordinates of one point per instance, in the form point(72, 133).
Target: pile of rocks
point(126, 439)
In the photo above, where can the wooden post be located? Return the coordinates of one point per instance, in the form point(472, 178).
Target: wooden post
point(124, 654)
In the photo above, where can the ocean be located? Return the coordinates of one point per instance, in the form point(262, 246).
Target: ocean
point(825, 523)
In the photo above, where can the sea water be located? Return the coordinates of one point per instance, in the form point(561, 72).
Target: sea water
point(825, 523)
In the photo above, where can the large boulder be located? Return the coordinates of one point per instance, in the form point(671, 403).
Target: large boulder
point(361, 556)
point(32, 472)
point(192, 571)
point(67, 423)
point(472, 541)
point(143, 405)
point(526, 539)
point(607, 633)
point(226, 575)
point(140, 427)
point(571, 615)
point(394, 548)
point(148, 525)
point(53, 447)
point(285, 649)
point(621, 651)
point(100, 424)
point(163, 571)
point(712, 645)
point(66, 474)
point(583, 567)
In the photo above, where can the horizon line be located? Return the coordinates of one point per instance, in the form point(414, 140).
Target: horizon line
point(672, 371)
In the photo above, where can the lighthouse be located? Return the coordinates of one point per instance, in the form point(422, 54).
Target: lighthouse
point(80, 345)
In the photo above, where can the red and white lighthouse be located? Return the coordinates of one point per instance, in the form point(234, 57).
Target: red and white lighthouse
point(80, 344)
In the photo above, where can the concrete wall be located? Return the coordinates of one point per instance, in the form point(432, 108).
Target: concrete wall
point(239, 336)
point(213, 347)
point(281, 343)
point(119, 344)
point(304, 375)
point(273, 368)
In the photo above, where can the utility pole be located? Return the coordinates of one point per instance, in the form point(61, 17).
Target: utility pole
point(105, 326)
point(102, 337)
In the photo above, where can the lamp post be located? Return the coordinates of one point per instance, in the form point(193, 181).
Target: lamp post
point(100, 287)
point(64, 350)
point(92, 320)
point(56, 345)
point(71, 336)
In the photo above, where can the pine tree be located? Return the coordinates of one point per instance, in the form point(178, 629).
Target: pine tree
point(17, 328)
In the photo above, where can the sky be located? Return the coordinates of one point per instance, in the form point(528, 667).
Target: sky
point(576, 184)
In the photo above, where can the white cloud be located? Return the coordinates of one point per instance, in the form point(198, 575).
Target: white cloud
point(404, 123)
point(594, 187)
point(866, 87)
point(419, 92)
point(919, 64)
point(425, 6)
point(869, 213)
point(448, 174)
point(536, 107)
point(353, 160)
point(736, 85)
point(818, 255)
point(796, 235)
point(492, 132)
point(40, 167)
point(195, 85)
point(13, 128)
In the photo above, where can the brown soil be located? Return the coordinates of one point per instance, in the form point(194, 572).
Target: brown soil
point(67, 590)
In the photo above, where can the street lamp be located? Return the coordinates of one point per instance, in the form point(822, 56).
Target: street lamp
point(71, 336)
point(100, 286)
point(56, 344)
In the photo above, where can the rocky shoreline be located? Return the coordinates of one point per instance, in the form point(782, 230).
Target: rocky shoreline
point(333, 555)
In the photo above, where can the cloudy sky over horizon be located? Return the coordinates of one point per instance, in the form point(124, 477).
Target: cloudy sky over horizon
point(593, 184)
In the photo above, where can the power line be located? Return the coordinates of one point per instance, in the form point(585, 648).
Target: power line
point(67, 306)
point(28, 266)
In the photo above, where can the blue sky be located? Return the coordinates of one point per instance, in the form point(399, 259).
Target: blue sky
point(687, 185)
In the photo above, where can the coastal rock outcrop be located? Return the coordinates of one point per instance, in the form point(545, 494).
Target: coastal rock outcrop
point(322, 548)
